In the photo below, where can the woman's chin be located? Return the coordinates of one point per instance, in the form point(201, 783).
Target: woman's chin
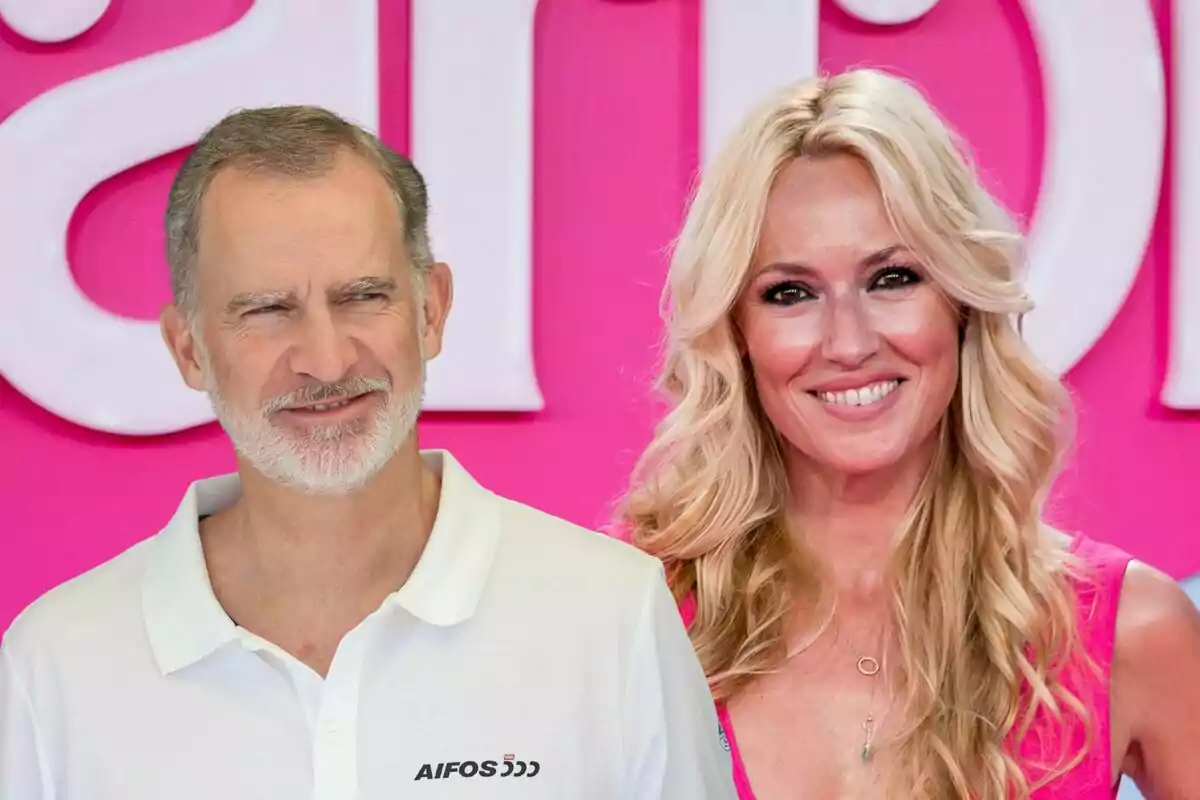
point(860, 458)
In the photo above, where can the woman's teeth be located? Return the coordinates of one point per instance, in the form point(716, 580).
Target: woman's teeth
point(862, 396)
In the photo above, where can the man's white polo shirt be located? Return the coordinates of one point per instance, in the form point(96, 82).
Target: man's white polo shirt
point(524, 658)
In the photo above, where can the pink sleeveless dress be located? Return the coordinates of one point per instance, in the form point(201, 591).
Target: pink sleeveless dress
point(1091, 778)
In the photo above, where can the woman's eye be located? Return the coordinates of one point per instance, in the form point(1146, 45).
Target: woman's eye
point(786, 293)
point(895, 278)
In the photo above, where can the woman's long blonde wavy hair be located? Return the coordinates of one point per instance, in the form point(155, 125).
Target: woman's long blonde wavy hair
point(983, 599)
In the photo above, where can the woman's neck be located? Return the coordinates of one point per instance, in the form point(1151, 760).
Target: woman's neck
point(848, 522)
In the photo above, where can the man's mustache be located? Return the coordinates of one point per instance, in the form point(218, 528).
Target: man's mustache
point(346, 389)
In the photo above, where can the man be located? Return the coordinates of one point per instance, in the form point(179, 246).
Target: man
point(347, 616)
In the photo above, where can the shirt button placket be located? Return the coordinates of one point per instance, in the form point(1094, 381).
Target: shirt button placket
point(335, 739)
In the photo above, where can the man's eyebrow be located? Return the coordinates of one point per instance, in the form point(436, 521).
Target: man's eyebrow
point(364, 285)
point(246, 300)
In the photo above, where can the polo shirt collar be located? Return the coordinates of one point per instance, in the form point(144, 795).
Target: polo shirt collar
point(448, 580)
point(185, 623)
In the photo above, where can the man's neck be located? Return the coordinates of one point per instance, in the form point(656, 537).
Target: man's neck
point(303, 569)
point(294, 535)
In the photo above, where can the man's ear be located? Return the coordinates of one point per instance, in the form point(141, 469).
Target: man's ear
point(180, 339)
point(438, 296)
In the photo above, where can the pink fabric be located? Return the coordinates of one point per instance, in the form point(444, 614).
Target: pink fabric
point(1090, 779)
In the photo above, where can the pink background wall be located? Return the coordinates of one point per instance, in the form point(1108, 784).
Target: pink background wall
point(616, 142)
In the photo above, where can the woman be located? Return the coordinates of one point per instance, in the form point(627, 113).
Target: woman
point(846, 489)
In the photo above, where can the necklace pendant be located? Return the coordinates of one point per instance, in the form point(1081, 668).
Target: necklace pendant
point(869, 730)
point(868, 666)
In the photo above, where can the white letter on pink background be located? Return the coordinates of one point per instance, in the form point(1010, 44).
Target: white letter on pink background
point(1182, 389)
point(1104, 139)
point(114, 374)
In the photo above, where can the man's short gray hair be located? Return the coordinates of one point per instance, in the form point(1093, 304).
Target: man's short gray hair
point(293, 141)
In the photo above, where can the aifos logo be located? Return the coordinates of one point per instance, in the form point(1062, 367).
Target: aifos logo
point(508, 767)
point(1092, 222)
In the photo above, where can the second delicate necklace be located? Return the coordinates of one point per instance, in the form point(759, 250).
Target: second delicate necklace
point(800, 648)
point(869, 667)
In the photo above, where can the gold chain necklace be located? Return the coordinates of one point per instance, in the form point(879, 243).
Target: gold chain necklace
point(868, 667)
point(800, 648)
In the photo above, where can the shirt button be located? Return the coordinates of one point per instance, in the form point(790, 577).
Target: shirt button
point(332, 732)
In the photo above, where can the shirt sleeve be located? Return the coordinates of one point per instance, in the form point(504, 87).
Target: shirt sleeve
point(673, 739)
point(22, 763)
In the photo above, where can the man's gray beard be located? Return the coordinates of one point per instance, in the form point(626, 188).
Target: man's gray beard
point(330, 459)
